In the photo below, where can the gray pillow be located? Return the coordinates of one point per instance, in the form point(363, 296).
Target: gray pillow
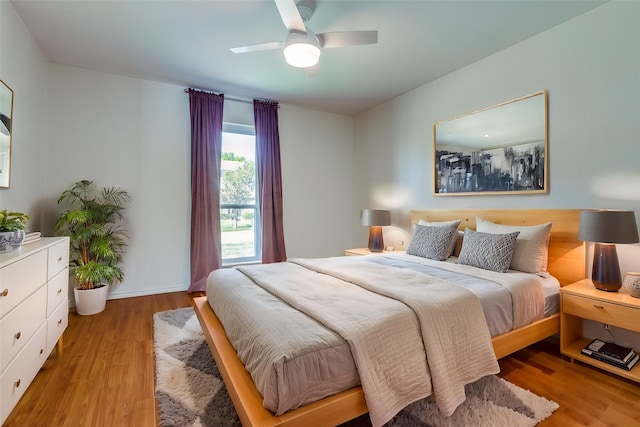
point(432, 242)
point(454, 236)
point(487, 250)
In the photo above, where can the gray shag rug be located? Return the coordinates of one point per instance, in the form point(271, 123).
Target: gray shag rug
point(190, 391)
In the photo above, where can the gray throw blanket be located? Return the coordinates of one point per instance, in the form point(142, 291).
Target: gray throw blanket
point(410, 335)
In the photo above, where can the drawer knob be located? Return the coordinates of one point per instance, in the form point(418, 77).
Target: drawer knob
point(41, 350)
point(18, 335)
point(59, 322)
point(17, 383)
point(59, 259)
point(5, 292)
point(59, 291)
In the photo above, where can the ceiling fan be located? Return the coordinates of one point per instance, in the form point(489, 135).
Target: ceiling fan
point(302, 47)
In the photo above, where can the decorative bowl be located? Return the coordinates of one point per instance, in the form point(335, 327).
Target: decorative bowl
point(10, 240)
point(632, 283)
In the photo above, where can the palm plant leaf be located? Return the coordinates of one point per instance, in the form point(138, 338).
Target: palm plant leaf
point(94, 223)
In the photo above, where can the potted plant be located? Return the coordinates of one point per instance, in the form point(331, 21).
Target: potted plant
point(94, 223)
point(12, 225)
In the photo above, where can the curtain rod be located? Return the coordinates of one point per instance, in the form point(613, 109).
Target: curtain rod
point(231, 98)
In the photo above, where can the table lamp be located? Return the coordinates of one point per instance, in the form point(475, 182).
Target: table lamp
point(375, 219)
point(606, 228)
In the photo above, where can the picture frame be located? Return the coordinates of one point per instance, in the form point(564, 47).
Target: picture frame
point(502, 149)
point(6, 132)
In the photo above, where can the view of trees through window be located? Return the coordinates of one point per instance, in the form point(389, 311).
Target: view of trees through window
point(238, 208)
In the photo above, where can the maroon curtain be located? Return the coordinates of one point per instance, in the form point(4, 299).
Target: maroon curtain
point(206, 144)
point(269, 180)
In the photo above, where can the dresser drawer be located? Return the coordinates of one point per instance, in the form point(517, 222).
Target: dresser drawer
point(58, 258)
point(58, 290)
point(20, 279)
point(19, 374)
point(56, 324)
point(600, 311)
point(17, 328)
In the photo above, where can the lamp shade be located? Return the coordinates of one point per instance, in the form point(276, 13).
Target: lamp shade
point(375, 217)
point(608, 226)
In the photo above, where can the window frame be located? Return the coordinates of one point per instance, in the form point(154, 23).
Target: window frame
point(257, 223)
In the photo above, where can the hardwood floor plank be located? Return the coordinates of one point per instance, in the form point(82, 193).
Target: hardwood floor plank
point(106, 376)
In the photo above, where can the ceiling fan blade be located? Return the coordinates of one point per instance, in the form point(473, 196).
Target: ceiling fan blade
point(313, 71)
point(347, 38)
point(257, 47)
point(290, 15)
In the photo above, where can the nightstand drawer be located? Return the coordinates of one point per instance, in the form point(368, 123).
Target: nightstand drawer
point(604, 312)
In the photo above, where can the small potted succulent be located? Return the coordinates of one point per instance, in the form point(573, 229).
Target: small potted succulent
point(12, 225)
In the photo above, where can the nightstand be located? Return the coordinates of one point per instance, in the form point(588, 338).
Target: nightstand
point(581, 300)
point(366, 251)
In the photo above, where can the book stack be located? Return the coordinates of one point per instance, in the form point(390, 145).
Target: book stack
point(612, 354)
point(31, 237)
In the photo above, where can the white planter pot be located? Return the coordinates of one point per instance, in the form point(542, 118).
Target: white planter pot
point(90, 301)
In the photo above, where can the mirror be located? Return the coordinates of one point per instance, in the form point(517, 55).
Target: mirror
point(6, 115)
point(497, 150)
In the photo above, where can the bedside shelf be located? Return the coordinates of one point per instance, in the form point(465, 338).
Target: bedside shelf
point(573, 351)
point(582, 301)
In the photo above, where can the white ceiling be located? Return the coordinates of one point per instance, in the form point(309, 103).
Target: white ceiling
point(187, 43)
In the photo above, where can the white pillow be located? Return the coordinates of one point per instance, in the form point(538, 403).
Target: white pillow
point(532, 245)
point(454, 237)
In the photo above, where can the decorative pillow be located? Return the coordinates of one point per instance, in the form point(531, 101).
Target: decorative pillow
point(488, 251)
point(432, 242)
point(531, 252)
point(454, 237)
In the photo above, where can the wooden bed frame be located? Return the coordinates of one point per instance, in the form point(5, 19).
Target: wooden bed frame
point(566, 262)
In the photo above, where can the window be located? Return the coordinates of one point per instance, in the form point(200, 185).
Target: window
point(239, 214)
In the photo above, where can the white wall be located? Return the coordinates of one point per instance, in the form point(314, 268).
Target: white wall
point(590, 68)
point(134, 134)
point(317, 158)
point(23, 68)
point(590, 71)
point(73, 124)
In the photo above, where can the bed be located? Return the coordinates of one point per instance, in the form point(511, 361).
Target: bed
point(565, 263)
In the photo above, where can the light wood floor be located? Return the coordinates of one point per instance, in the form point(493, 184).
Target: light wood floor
point(106, 376)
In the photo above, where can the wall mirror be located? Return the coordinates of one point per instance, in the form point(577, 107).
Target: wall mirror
point(6, 117)
point(497, 150)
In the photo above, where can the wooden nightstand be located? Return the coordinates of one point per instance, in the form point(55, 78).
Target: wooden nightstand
point(581, 300)
point(366, 251)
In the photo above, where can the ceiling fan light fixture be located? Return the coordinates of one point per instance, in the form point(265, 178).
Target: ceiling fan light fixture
point(302, 50)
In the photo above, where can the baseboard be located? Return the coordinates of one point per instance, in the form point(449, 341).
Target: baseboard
point(142, 293)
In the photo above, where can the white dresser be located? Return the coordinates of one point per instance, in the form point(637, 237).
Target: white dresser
point(34, 312)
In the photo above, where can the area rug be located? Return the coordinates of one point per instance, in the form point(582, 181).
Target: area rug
point(190, 391)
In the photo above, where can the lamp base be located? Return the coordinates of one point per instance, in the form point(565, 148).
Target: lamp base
point(376, 242)
point(606, 270)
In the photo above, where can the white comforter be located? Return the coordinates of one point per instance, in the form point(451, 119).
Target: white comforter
point(403, 354)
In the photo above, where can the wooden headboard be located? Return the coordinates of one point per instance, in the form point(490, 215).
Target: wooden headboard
point(566, 252)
